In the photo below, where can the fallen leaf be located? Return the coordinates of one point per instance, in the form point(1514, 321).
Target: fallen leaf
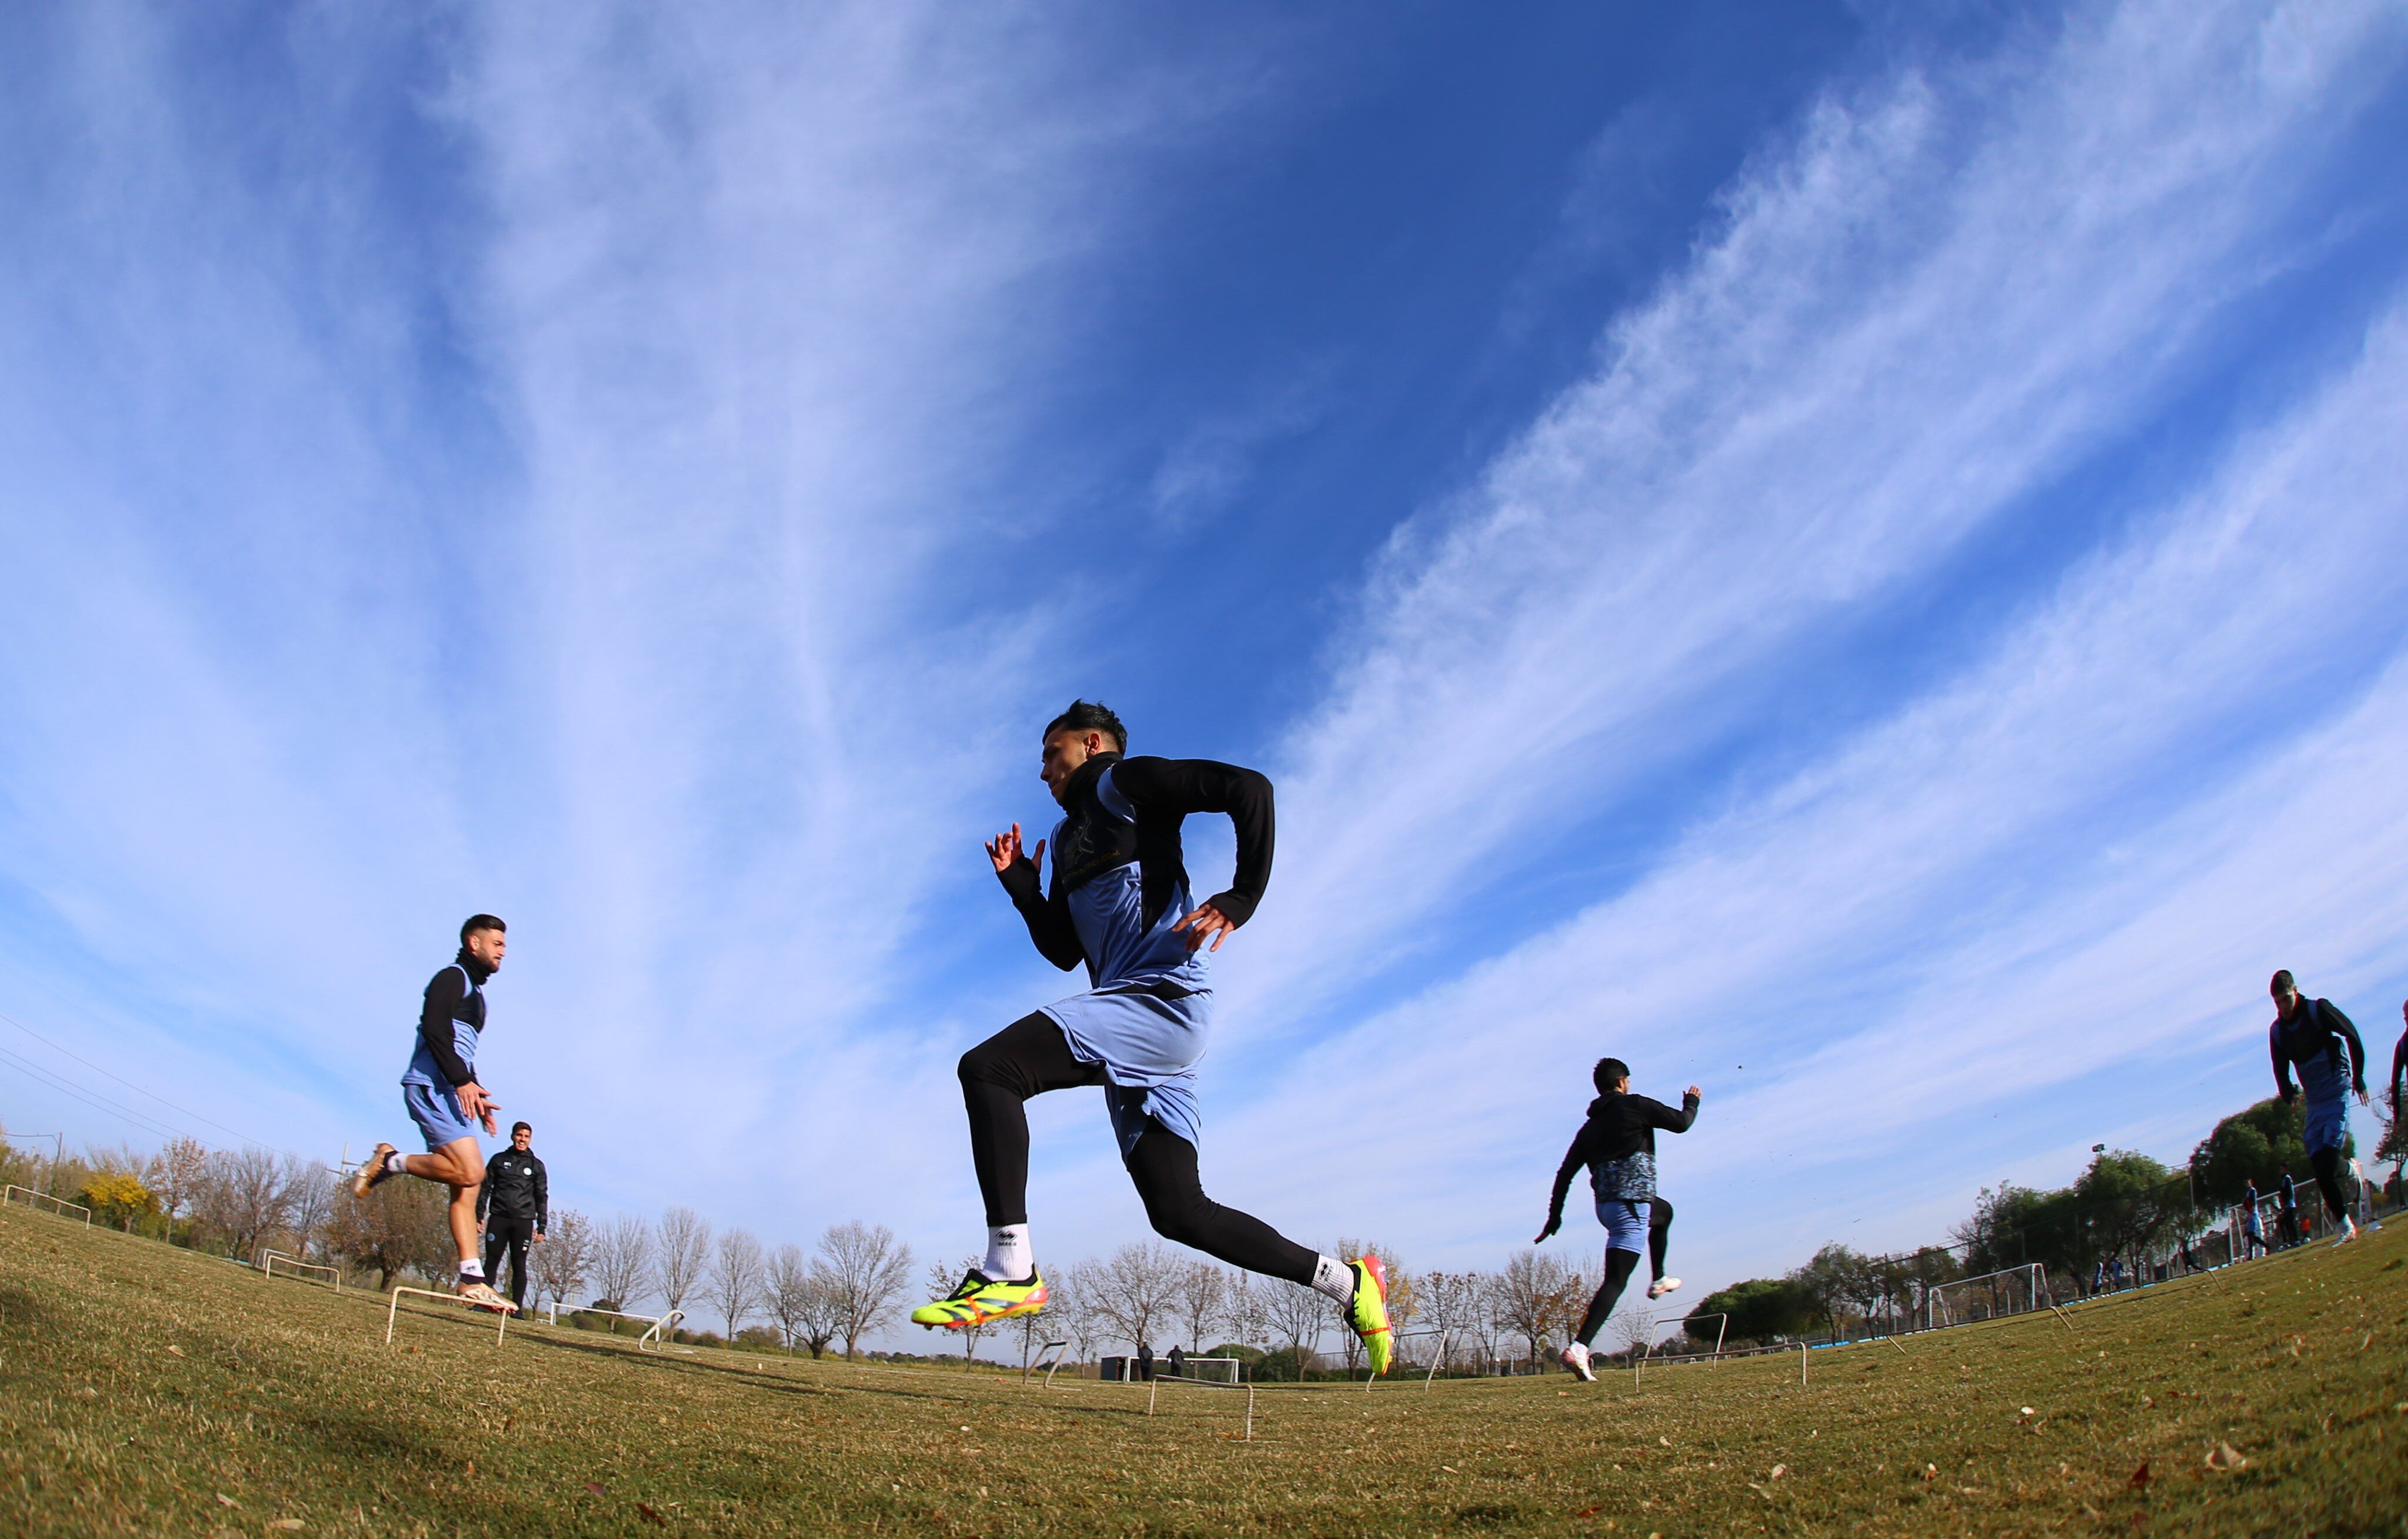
point(595, 1488)
point(2141, 1476)
point(225, 1501)
point(2028, 1409)
point(176, 1351)
point(654, 1517)
point(1667, 1442)
point(1780, 1469)
point(1585, 1512)
point(2225, 1457)
point(1931, 1472)
point(472, 1466)
point(288, 1523)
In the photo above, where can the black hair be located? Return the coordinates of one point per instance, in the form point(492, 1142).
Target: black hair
point(1090, 717)
point(2283, 982)
point(1610, 1072)
point(480, 921)
point(518, 1128)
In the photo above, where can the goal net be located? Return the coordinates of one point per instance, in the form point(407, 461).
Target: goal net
point(1212, 1370)
point(2015, 1291)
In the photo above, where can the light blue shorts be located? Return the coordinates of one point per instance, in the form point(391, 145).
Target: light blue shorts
point(1626, 1223)
point(437, 1113)
point(1147, 1040)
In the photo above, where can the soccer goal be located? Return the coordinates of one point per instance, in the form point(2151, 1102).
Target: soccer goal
point(294, 1267)
point(35, 1200)
point(2016, 1290)
point(1212, 1370)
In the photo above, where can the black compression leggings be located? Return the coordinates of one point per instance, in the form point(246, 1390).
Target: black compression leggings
point(1659, 1235)
point(1031, 1057)
point(2327, 1164)
point(1619, 1265)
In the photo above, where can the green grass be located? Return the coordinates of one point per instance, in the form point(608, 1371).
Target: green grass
point(151, 1391)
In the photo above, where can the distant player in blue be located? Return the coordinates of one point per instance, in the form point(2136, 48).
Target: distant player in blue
point(2313, 1034)
point(440, 1092)
point(2253, 1229)
point(1617, 1146)
point(1119, 903)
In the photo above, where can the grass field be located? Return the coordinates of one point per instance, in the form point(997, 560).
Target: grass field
point(151, 1391)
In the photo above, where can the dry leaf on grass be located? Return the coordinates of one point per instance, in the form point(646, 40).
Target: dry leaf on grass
point(2225, 1457)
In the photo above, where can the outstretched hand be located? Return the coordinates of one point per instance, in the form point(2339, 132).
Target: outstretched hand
point(1004, 851)
point(479, 1107)
point(1206, 921)
point(1555, 1222)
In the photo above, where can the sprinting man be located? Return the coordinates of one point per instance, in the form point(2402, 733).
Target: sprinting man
point(2310, 1033)
point(1659, 1240)
point(1119, 902)
point(439, 1090)
point(1617, 1144)
point(513, 1208)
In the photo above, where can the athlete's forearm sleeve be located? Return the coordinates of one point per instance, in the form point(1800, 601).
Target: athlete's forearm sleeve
point(1049, 922)
point(2348, 1029)
point(435, 1025)
point(1575, 1157)
point(1179, 786)
point(2399, 1066)
point(2282, 1070)
point(542, 1198)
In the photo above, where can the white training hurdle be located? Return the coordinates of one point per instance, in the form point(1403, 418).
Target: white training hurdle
point(394, 1309)
point(11, 1195)
point(293, 1264)
point(659, 1323)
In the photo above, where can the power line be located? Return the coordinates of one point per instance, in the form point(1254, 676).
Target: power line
point(130, 1085)
point(94, 1099)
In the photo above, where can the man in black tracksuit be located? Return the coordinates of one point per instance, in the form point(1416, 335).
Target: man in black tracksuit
point(513, 1205)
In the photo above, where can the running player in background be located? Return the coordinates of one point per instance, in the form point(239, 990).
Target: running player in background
point(439, 1090)
point(2253, 1229)
point(2310, 1033)
point(1120, 903)
point(2286, 1211)
point(1617, 1144)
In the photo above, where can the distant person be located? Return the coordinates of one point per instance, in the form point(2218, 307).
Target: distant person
point(1178, 1363)
point(2286, 1211)
point(1617, 1145)
point(1144, 1361)
point(2311, 1034)
point(513, 1207)
point(2253, 1229)
point(1659, 1239)
point(2098, 1279)
point(440, 1092)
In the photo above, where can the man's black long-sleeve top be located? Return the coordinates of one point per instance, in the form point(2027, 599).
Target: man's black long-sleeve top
point(1160, 794)
point(449, 997)
point(515, 1187)
point(2399, 1074)
point(1620, 1127)
point(2311, 1030)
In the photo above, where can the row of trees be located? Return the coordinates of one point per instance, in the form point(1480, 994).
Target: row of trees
point(2125, 1207)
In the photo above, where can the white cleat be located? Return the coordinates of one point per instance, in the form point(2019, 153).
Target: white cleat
point(2348, 1232)
point(481, 1295)
point(1662, 1286)
point(1575, 1357)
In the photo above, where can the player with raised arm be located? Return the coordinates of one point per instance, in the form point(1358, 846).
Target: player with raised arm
point(2311, 1033)
point(1119, 902)
point(1617, 1144)
point(440, 1092)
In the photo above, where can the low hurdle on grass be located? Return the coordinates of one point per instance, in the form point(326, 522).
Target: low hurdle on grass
point(268, 1258)
point(658, 1323)
point(35, 1199)
point(393, 1311)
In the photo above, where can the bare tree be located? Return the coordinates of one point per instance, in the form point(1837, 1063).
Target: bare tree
point(1529, 1296)
point(684, 1246)
point(1296, 1315)
point(801, 1301)
point(1068, 1312)
point(623, 1261)
point(398, 1226)
point(869, 1269)
point(1450, 1302)
point(942, 1280)
point(1135, 1291)
point(241, 1197)
point(177, 1176)
point(566, 1254)
point(737, 1278)
point(308, 1193)
point(1202, 1300)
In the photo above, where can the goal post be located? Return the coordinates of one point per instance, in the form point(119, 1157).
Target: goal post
point(2015, 1290)
point(35, 1200)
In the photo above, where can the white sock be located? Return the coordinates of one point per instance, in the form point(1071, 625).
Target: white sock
point(1333, 1277)
point(396, 1163)
point(472, 1272)
point(1009, 1258)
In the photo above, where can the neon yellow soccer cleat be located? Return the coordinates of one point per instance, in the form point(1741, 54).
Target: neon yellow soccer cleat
point(1369, 1314)
point(980, 1298)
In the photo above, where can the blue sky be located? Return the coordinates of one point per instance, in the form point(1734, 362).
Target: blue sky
point(1850, 555)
